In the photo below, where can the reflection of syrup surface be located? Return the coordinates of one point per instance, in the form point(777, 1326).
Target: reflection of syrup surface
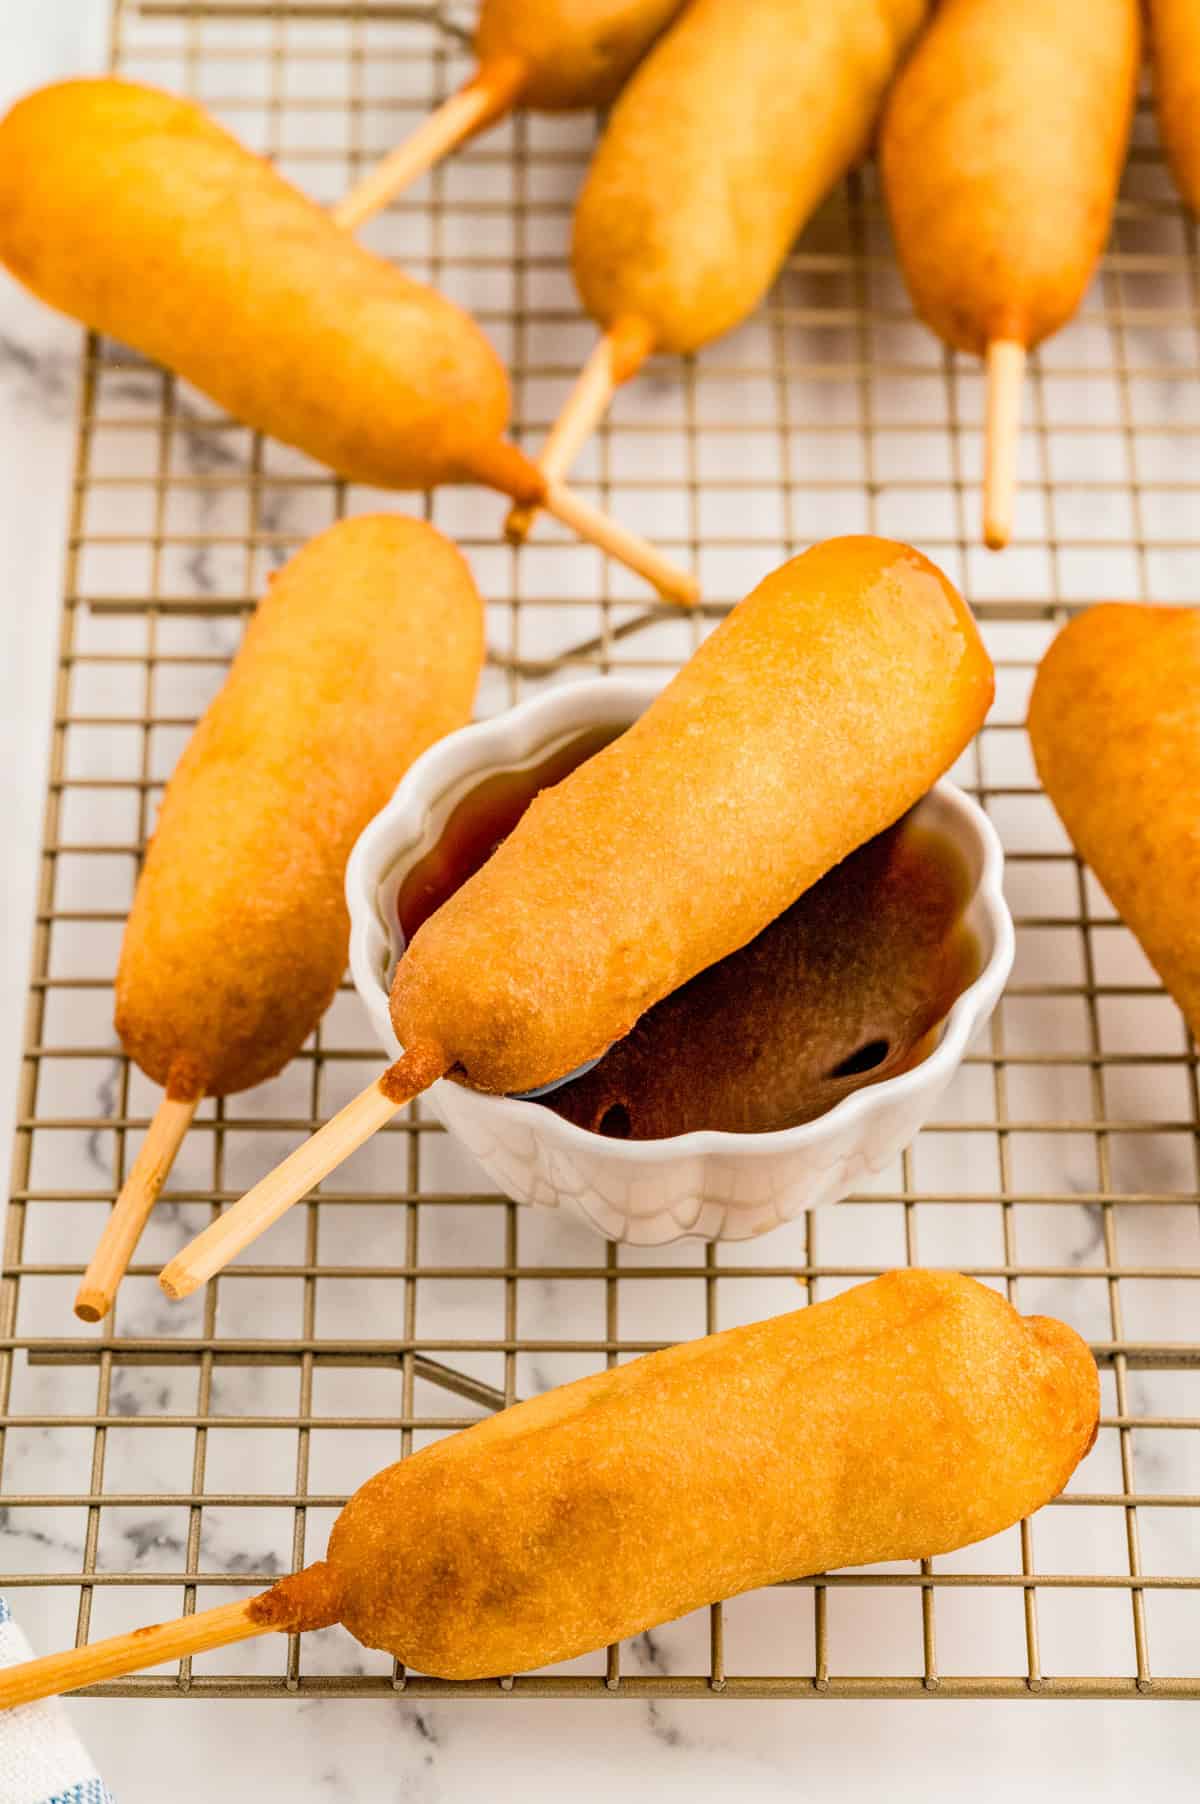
point(849, 986)
point(476, 825)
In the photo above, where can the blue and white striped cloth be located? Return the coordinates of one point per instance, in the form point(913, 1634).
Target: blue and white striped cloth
point(42, 1760)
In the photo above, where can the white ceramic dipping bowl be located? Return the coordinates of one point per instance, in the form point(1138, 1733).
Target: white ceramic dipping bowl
point(712, 1185)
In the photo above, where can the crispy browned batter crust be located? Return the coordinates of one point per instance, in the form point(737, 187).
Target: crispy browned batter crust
point(909, 1416)
point(717, 152)
point(578, 52)
point(820, 710)
point(136, 212)
point(1175, 55)
point(366, 648)
point(720, 147)
point(1115, 725)
point(1001, 151)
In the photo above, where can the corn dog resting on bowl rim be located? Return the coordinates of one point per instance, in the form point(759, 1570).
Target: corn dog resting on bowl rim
point(712, 1184)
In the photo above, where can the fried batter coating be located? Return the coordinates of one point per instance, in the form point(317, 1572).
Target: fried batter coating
point(820, 710)
point(720, 147)
point(1175, 56)
point(1115, 725)
point(577, 53)
point(135, 212)
point(365, 648)
point(909, 1416)
point(1001, 151)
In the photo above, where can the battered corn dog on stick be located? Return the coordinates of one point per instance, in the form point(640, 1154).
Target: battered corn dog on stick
point(365, 649)
point(1115, 725)
point(138, 214)
point(1175, 58)
point(815, 715)
point(554, 55)
point(903, 1419)
point(1001, 152)
point(724, 142)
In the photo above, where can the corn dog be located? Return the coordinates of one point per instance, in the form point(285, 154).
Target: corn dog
point(813, 717)
point(1175, 60)
point(370, 640)
point(1001, 152)
point(1115, 723)
point(907, 1417)
point(578, 53)
point(554, 55)
point(718, 834)
point(136, 213)
point(736, 125)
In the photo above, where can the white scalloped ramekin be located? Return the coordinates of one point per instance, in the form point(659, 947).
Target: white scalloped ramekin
point(714, 1185)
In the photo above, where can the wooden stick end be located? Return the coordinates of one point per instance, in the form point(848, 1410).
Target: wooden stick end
point(91, 1304)
point(177, 1281)
point(1005, 363)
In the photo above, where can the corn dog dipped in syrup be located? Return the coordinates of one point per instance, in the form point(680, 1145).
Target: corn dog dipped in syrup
point(1001, 152)
point(823, 707)
point(721, 146)
point(135, 212)
point(556, 56)
point(1115, 725)
point(366, 648)
point(906, 1417)
point(1174, 27)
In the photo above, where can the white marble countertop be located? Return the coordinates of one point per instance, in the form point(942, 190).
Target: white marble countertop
point(332, 1750)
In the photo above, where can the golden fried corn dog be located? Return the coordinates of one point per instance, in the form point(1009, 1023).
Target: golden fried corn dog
point(721, 146)
point(905, 1418)
point(824, 706)
point(554, 55)
point(1115, 725)
point(1175, 59)
point(732, 130)
point(138, 214)
point(576, 53)
point(365, 649)
point(1001, 151)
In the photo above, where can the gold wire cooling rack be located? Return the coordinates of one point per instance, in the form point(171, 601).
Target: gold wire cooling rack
point(187, 1451)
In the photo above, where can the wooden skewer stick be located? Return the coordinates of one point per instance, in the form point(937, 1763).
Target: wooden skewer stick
point(1005, 374)
point(592, 524)
point(491, 92)
point(130, 1652)
point(617, 356)
point(139, 1193)
point(274, 1195)
point(500, 465)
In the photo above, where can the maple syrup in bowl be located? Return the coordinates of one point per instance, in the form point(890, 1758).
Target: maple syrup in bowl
point(776, 1080)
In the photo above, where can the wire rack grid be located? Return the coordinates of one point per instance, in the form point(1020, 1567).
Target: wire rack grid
point(184, 1452)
